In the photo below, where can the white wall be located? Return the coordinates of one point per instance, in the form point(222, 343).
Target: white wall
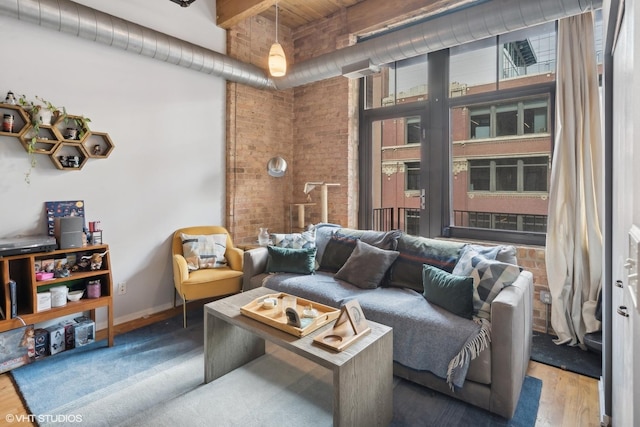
point(167, 123)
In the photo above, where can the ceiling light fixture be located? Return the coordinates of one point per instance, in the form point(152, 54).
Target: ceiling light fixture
point(183, 3)
point(277, 60)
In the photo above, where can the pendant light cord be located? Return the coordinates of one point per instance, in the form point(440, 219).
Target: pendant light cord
point(276, 22)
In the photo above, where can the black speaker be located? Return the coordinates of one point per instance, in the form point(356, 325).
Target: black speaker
point(68, 231)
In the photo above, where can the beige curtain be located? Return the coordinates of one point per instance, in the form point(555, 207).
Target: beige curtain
point(574, 238)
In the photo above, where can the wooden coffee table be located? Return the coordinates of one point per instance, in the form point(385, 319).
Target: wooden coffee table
point(362, 373)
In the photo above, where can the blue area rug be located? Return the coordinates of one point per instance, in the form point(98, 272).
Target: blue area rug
point(157, 372)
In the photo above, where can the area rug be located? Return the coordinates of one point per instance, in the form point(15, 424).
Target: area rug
point(572, 359)
point(154, 377)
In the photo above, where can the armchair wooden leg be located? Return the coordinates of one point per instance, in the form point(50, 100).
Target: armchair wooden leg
point(184, 313)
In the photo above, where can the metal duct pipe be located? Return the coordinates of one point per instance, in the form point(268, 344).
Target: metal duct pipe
point(82, 21)
point(474, 23)
point(470, 24)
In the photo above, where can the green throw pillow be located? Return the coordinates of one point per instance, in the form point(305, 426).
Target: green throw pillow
point(453, 293)
point(287, 260)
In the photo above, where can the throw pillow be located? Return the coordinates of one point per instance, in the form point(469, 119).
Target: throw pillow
point(366, 266)
point(503, 253)
point(489, 278)
point(379, 239)
point(204, 251)
point(337, 252)
point(306, 239)
point(324, 231)
point(287, 260)
point(453, 293)
point(343, 242)
point(415, 251)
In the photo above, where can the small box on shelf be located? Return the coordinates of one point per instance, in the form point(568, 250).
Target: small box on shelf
point(56, 339)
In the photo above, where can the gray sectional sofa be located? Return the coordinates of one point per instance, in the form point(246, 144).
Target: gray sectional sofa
point(480, 357)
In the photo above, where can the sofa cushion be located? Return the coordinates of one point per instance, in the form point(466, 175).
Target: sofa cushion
point(415, 251)
point(204, 251)
point(343, 242)
point(302, 240)
point(366, 266)
point(287, 260)
point(453, 293)
point(489, 278)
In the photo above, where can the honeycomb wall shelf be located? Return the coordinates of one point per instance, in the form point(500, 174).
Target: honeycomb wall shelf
point(46, 142)
point(56, 140)
point(21, 120)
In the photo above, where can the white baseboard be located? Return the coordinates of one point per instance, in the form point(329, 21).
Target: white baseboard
point(605, 420)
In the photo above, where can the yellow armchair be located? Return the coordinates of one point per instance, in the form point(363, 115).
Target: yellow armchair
point(209, 282)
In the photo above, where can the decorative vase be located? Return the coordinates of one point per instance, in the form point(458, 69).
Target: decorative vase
point(263, 237)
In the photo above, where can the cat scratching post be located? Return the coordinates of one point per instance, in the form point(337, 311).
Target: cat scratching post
point(324, 197)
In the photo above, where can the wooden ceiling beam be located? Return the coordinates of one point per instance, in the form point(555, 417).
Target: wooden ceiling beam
point(231, 12)
point(371, 16)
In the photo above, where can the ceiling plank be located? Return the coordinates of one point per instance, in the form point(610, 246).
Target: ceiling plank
point(231, 12)
point(370, 16)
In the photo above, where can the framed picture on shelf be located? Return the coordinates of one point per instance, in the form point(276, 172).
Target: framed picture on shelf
point(61, 209)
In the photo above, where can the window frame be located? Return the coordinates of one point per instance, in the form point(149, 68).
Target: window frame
point(492, 98)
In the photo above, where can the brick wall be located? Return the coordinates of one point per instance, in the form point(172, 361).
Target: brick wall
point(532, 258)
point(315, 128)
point(258, 127)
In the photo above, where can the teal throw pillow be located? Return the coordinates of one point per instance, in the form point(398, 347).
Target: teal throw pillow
point(287, 260)
point(453, 293)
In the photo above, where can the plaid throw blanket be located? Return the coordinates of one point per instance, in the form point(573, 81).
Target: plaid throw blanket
point(425, 336)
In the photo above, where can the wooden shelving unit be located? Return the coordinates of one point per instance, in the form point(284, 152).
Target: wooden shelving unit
point(21, 269)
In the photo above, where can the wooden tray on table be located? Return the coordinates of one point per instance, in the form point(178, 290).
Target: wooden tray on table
point(276, 317)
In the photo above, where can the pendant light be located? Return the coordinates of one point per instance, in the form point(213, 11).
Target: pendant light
point(277, 60)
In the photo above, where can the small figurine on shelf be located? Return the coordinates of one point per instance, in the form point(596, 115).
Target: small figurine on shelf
point(61, 270)
point(97, 150)
point(10, 99)
point(93, 261)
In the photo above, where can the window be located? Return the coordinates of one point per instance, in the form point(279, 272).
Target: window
point(413, 175)
point(482, 170)
point(510, 174)
point(509, 119)
point(412, 130)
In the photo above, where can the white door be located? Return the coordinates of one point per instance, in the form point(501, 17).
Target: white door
point(625, 212)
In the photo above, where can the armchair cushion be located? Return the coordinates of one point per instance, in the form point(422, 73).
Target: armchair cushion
point(204, 251)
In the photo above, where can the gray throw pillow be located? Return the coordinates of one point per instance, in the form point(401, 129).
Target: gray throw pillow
point(489, 278)
point(336, 253)
point(366, 266)
point(451, 292)
point(288, 260)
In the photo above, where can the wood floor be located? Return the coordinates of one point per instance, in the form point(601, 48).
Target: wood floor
point(567, 400)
